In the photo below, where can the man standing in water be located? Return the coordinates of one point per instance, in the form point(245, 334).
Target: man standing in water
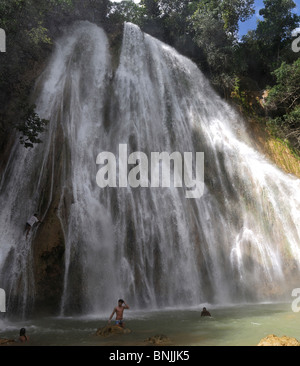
point(205, 312)
point(119, 313)
point(30, 223)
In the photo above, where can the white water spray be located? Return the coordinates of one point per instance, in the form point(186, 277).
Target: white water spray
point(239, 242)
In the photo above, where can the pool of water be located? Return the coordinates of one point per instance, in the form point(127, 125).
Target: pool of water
point(242, 325)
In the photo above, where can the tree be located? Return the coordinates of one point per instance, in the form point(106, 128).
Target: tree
point(274, 32)
point(126, 11)
point(31, 126)
point(93, 10)
point(216, 25)
point(152, 8)
point(284, 102)
point(29, 39)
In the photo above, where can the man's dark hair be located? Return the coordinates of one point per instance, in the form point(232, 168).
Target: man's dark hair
point(122, 301)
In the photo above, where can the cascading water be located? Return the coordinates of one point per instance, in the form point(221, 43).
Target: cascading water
point(239, 242)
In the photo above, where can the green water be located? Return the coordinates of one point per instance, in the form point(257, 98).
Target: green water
point(242, 325)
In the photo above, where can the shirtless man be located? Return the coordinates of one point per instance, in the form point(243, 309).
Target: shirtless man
point(119, 313)
point(29, 224)
point(205, 312)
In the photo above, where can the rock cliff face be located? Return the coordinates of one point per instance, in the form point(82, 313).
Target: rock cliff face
point(49, 265)
point(49, 247)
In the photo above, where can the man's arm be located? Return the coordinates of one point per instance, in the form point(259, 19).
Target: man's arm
point(112, 315)
point(125, 305)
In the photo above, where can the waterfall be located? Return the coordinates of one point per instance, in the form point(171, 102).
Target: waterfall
point(239, 242)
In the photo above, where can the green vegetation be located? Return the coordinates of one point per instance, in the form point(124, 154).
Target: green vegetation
point(204, 30)
point(32, 125)
point(31, 26)
point(284, 102)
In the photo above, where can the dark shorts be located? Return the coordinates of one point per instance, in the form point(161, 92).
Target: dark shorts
point(119, 322)
point(27, 226)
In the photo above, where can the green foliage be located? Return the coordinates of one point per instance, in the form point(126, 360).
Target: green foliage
point(31, 126)
point(92, 10)
point(239, 95)
point(39, 35)
point(234, 11)
point(227, 12)
point(29, 39)
point(284, 102)
point(215, 25)
point(204, 30)
point(271, 41)
point(285, 95)
point(279, 21)
point(152, 8)
point(126, 11)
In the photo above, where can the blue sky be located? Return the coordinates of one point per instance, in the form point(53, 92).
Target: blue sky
point(251, 23)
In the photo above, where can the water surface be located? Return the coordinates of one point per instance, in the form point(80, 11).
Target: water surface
point(242, 325)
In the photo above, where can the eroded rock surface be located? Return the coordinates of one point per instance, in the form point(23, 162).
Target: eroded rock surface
point(110, 330)
point(273, 340)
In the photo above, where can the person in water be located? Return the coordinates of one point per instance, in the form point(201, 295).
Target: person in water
point(205, 312)
point(119, 310)
point(29, 224)
point(23, 337)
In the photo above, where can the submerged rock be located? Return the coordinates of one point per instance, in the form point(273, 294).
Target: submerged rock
point(109, 330)
point(159, 340)
point(273, 340)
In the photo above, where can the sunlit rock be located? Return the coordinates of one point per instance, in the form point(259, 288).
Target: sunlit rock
point(109, 330)
point(273, 340)
point(158, 340)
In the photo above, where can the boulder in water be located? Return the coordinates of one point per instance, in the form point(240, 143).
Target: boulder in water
point(4, 341)
point(159, 340)
point(109, 330)
point(273, 340)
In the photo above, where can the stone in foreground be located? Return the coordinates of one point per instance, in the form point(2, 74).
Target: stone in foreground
point(109, 330)
point(6, 341)
point(158, 340)
point(273, 340)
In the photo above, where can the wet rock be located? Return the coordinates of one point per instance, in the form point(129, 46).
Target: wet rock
point(4, 341)
point(110, 330)
point(273, 340)
point(159, 340)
